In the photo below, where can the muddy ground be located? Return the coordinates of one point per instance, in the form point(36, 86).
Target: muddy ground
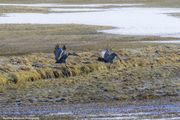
point(164, 108)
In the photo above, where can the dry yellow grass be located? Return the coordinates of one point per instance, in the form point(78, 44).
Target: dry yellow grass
point(146, 72)
point(3, 79)
point(41, 66)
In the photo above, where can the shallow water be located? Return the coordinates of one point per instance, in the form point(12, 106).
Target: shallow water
point(126, 20)
point(96, 112)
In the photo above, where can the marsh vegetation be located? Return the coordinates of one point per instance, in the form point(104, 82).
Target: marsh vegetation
point(29, 75)
point(143, 73)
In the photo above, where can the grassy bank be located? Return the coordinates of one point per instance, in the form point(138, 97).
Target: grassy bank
point(143, 73)
point(29, 74)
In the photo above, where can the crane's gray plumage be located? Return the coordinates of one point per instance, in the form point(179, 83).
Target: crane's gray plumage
point(107, 56)
point(61, 54)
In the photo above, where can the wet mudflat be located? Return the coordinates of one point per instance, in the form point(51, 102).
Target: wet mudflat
point(164, 108)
